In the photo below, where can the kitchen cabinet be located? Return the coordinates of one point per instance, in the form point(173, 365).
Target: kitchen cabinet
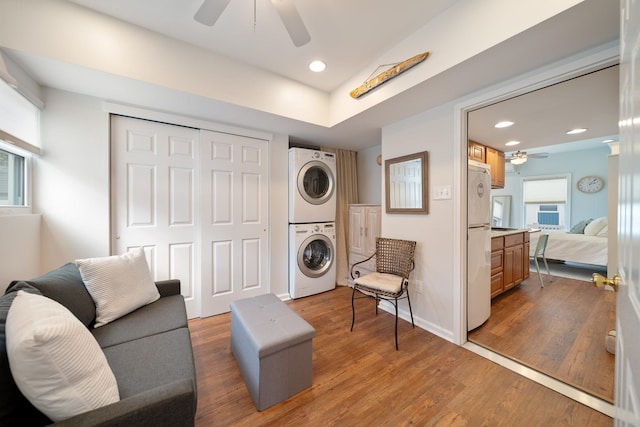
point(364, 228)
point(509, 261)
point(497, 266)
point(492, 157)
point(476, 152)
point(495, 159)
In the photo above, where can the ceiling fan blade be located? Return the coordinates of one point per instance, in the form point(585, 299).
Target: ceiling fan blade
point(210, 11)
point(539, 155)
point(292, 21)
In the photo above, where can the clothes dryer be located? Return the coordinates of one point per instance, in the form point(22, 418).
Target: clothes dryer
point(312, 186)
point(312, 258)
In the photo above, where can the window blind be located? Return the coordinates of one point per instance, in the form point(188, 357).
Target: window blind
point(552, 190)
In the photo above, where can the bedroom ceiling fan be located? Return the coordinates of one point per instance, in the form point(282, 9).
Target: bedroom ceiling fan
point(211, 10)
point(519, 157)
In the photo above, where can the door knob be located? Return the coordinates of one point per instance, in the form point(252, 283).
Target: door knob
point(600, 281)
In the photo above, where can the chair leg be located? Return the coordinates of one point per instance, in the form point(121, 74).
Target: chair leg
point(535, 261)
point(396, 304)
point(377, 302)
point(410, 311)
point(353, 308)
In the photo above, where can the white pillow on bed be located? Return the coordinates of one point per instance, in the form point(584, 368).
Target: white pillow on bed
point(604, 232)
point(596, 226)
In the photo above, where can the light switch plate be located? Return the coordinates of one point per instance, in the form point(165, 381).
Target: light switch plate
point(442, 192)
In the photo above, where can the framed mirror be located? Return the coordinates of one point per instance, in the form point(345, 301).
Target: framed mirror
point(501, 211)
point(406, 184)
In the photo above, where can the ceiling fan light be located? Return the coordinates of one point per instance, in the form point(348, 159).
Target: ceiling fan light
point(518, 160)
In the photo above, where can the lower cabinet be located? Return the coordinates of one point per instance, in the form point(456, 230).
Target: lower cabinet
point(509, 261)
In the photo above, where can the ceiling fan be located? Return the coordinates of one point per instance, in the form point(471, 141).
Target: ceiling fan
point(519, 157)
point(211, 10)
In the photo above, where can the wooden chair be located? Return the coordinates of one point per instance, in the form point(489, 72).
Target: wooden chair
point(538, 252)
point(394, 262)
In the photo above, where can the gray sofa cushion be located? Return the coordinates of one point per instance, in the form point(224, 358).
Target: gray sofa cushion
point(65, 286)
point(151, 362)
point(165, 314)
point(15, 409)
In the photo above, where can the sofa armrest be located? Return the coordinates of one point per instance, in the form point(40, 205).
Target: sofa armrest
point(168, 287)
point(170, 405)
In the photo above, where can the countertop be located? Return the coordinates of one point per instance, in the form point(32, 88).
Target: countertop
point(500, 233)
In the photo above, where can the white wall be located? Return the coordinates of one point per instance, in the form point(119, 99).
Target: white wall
point(20, 248)
point(71, 179)
point(431, 131)
point(369, 175)
point(71, 185)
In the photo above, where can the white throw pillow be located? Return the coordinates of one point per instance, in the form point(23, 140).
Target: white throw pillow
point(118, 284)
point(604, 232)
point(596, 226)
point(55, 361)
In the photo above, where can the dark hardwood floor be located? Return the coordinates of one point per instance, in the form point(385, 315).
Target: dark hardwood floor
point(559, 330)
point(359, 378)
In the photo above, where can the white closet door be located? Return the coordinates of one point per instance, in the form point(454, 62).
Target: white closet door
point(235, 259)
point(154, 203)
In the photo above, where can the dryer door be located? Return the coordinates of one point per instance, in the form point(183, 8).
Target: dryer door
point(316, 182)
point(315, 255)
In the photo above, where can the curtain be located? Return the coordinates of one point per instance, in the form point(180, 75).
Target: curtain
point(346, 194)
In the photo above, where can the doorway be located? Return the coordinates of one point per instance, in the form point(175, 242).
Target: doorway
point(516, 205)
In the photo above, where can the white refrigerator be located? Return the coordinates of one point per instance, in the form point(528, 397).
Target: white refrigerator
point(479, 244)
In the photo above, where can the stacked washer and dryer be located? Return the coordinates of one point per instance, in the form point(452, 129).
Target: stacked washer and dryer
point(312, 228)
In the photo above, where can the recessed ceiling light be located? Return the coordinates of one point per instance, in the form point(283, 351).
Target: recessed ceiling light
point(575, 131)
point(510, 143)
point(504, 124)
point(317, 66)
point(606, 141)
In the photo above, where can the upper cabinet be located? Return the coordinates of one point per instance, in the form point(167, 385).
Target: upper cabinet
point(495, 159)
point(477, 152)
point(492, 157)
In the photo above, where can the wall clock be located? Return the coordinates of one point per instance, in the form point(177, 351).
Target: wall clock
point(590, 184)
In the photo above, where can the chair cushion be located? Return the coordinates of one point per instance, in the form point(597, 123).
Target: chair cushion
point(385, 282)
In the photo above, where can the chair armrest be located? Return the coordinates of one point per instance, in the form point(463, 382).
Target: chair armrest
point(360, 262)
point(170, 405)
point(168, 287)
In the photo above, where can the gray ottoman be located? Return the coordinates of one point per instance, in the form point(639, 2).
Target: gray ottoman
point(272, 346)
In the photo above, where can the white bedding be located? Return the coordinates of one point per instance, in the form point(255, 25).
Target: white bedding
point(573, 247)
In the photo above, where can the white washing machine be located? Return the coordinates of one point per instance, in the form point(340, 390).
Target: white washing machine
point(312, 258)
point(312, 186)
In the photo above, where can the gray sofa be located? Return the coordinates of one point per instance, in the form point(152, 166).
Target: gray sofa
point(149, 351)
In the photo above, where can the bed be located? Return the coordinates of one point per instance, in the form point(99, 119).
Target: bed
point(588, 247)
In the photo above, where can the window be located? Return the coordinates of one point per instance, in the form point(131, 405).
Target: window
point(12, 179)
point(19, 141)
point(546, 202)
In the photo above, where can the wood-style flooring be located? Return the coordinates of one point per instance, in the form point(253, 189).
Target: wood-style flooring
point(359, 379)
point(559, 330)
